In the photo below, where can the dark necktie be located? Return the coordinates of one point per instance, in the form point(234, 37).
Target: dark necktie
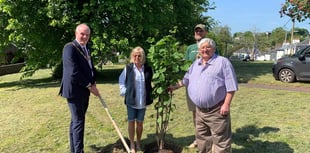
point(87, 58)
point(85, 51)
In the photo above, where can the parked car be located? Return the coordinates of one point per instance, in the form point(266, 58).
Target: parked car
point(293, 68)
point(246, 58)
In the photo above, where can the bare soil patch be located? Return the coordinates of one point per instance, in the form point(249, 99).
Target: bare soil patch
point(118, 147)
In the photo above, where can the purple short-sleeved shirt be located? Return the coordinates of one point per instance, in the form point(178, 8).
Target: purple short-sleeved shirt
point(208, 84)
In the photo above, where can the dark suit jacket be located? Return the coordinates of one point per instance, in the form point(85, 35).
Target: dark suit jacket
point(77, 73)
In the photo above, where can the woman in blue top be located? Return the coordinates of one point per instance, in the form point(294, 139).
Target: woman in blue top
point(135, 85)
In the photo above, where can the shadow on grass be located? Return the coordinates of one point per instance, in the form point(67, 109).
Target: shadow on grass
point(171, 143)
point(245, 137)
point(116, 147)
point(109, 75)
point(104, 76)
point(32, 83)
point(174, 144)
point(247, 71)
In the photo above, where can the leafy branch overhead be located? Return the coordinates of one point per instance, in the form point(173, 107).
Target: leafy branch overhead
point(40, 28)
point(296, 9)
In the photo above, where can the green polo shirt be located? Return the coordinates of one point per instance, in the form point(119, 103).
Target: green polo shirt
point(191, 52)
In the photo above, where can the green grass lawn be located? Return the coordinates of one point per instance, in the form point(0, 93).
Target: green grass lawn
point(33, 119)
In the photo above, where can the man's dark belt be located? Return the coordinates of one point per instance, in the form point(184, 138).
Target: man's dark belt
point(211, 108)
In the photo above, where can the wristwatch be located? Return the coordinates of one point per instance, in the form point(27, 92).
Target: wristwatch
point(88, 86)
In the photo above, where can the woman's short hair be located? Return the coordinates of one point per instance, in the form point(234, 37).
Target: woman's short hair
point(138, 50)
point(208, 40)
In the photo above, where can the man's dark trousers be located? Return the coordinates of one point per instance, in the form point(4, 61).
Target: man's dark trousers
point(78, 108)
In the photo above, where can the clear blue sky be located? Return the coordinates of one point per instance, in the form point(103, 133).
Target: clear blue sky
point(252, 15)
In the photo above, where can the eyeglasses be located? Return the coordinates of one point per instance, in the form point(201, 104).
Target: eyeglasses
point(205, 47)
point(136, 55)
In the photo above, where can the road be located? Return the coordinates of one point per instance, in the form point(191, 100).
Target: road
point(277, 87)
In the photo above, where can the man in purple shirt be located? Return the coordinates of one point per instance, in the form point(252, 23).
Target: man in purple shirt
point(211, 83)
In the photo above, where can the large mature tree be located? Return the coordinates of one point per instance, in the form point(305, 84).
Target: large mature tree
point(296, 9)
point(40, 28)
point(223, 38)
point(301, 33)
point(279, 36)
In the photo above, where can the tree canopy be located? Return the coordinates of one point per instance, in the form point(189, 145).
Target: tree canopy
point(40, 28)
point(296, 9)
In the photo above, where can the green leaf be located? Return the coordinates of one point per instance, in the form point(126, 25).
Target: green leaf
point(159, 119)
point(159, 90)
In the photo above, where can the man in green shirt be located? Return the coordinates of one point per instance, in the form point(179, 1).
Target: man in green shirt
point(200, 32)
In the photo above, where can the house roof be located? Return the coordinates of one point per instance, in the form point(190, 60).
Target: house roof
point(305, 42)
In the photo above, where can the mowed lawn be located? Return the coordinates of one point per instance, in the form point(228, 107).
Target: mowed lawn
point(34, 119)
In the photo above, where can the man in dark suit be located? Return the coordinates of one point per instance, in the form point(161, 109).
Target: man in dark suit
point(77, 83)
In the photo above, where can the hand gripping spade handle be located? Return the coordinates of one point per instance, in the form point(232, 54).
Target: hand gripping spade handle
point(114, 124)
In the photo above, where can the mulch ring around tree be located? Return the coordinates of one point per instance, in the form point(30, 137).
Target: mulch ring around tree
point(168, 148)
point(118, 147)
